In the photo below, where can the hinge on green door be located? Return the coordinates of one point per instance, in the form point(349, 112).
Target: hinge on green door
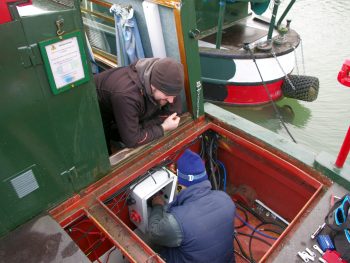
point(30, 56)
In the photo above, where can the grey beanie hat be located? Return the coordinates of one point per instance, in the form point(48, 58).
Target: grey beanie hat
point(168, 76)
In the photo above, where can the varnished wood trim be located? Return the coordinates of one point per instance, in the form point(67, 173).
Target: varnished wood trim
point(105, 61)
point(167, 3)
point(182, 51)
point(97, 14)
point(172, 4)
point(101, 3)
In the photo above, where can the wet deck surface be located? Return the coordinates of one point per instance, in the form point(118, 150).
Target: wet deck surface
point(250, 31)
point(40, 240)
point(234, 37)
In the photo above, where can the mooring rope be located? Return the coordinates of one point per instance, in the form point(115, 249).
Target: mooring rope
point(296, 60)
point(246, 47)
point(302, 55)
point(285, 74)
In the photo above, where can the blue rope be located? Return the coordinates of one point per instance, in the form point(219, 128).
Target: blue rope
point(254, 229)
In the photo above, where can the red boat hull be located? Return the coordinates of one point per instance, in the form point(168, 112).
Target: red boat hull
point(253, 94)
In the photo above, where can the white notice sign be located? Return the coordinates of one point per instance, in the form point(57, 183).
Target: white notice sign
point(65, 62)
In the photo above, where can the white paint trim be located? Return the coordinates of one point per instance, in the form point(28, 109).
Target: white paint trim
point(246, 71)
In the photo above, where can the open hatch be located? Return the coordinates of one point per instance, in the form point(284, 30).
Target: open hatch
point(271, 193)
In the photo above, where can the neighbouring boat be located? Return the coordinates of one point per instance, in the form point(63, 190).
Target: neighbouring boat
point(247, 59)
point(64, 199)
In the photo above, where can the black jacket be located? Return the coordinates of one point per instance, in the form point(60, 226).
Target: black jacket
point(125, 102)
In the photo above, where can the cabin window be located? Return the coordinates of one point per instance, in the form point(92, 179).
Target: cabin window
point(99, 26)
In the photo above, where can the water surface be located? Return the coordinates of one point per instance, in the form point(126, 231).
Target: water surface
point(324, 27)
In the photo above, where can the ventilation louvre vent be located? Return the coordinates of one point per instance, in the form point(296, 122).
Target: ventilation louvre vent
point(25, 183)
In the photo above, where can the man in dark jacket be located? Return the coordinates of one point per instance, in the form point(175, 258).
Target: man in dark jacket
point(198, 225)
point(138, 103)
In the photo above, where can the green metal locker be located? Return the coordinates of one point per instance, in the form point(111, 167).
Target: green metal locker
point(51, 145)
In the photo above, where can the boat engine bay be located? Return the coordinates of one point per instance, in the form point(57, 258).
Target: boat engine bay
point(272, 196)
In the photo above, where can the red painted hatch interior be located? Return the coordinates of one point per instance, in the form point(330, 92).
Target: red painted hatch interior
point(270, 192)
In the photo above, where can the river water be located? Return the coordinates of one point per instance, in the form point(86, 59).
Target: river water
point(321, 125)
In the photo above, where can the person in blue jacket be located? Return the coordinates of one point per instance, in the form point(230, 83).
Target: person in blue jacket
point(198, 225)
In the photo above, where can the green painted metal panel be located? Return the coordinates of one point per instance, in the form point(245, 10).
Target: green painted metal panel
point(50, 145)
point(74, 113)
point(188, 22)
point(207, 13)
point(215, 67)
point(3, 229)
point(26, 138)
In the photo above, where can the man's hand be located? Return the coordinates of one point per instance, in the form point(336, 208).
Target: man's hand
point(158, 200)
point(171, 122)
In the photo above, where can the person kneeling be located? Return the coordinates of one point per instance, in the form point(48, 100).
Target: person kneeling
point(198, 225)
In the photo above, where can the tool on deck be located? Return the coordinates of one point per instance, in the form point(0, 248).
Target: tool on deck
point(306, 257)
point(325, 242)
point(318, 249)
point(318, 231)
point(333, 197)
point(310, 252)
point(333, 256)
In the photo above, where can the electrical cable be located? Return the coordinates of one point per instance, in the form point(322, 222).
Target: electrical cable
point(224, 169)
point(246, 47)
point(86, 233)
point(245, 217)
point(94, 246)
point(212, 166)
point(124, 198)
point(257, 238)
point(240, 246)
point(251, 239)
point(124, 189)
point(201, 154)
point(216, 171)
point(255, 229)
point(255, 214)
point(83, 231)
point(243, 257)
point(258, 228)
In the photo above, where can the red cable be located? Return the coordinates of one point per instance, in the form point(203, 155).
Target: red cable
point(83, 231)
point(93, 244)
